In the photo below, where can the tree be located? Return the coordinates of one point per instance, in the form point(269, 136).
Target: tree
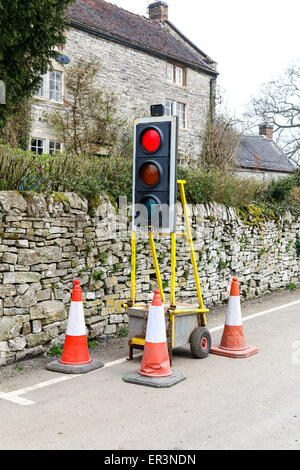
point(29, 32)
point(279, 105)
point(17, 127)
point(221, 137)
point(88, 123)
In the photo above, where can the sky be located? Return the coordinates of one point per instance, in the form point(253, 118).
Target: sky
point(252, 41)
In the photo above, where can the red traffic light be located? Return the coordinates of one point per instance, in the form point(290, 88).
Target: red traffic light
point(150, 174)
point(151, 140)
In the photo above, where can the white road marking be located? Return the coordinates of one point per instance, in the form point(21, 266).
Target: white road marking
point(14, 396)
point(21, 391)
point(120, 361)
point(259, 314)
point(15, 399)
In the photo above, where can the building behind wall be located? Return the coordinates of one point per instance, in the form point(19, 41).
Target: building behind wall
point(143, 61)
point(259, 157)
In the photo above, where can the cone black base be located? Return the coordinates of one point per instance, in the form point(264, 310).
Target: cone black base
point(57, 366)
point(157, 382)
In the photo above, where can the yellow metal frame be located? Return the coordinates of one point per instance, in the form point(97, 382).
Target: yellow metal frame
point(133, 265)
point(172, 311)
point(156, 266)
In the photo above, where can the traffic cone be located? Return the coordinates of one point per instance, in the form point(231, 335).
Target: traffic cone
point(233, 340)
point(76, 350)
point(75, 356)
point(156, 361)
point(155, 370)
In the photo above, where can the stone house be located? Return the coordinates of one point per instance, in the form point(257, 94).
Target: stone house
point(144, 61)
point(258, 156)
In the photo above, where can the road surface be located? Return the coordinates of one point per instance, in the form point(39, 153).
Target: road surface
point(224, 403)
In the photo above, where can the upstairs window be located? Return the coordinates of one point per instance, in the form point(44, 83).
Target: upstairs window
point(55, 86)
point(41, 93)
point(176, 74)
point(51, 87)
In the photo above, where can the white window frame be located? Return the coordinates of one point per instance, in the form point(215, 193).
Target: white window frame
point(179, 76)
point(176, 74)
point(170, 73)
point(177, 108)
point(52, 88)
point(56, 150)
point(46, 145)
point(42, 91)
point(37, 139)
point(55, 86)
point(181, 113)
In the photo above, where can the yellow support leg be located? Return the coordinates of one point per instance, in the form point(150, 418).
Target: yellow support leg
point(133, 263)
point(173, 268)
point(172, 320)
point(190, 240)
point(153, 250)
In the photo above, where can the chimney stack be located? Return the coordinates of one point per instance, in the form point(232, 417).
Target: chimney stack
point(266, 130)
point(158, 11)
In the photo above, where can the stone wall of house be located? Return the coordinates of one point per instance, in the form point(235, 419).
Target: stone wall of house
point(48, 241)
point(138, 80)
point(261, 175)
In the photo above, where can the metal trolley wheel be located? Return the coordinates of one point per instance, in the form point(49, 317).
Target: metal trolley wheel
point(200, 343)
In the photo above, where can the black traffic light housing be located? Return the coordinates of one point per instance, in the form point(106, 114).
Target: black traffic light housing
point(155, 174)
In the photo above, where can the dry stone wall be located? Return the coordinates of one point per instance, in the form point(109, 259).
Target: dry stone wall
point(48, 241)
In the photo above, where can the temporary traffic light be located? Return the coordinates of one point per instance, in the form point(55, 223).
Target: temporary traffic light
point(154, 173)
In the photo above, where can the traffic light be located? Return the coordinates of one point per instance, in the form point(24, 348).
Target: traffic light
point(155, 173)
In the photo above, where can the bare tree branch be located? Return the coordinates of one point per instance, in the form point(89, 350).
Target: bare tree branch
point(279, 105)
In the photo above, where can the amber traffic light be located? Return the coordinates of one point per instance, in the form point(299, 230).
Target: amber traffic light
point(150, 174)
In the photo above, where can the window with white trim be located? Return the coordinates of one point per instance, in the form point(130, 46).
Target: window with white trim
point(55, 86)
point(51, 87)
point(42, 93)
point(170, 73)
point(176, 74)
point(54, 147)
point(38, 145)
point(174, 108)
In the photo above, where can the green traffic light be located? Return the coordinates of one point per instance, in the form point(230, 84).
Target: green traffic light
point(149, 202)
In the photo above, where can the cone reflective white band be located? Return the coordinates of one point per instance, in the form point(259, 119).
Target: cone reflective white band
point(234, 316)
point(156, 327)
point(76, 324)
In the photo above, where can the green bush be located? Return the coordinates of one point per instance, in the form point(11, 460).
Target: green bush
point(208, 186)
point(89, 176)
point(283, 194)
point(279, 190)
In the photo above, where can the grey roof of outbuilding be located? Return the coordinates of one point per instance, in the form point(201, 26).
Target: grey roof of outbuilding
point(260, 153)
point(116, 24)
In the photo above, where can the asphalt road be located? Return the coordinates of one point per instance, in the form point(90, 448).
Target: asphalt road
point(224, 403)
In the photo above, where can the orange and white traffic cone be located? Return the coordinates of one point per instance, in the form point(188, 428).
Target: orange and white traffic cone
point(233, 340)
point(76, 349)
point(156, 361)
point(75, 356)
point(155, 370)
